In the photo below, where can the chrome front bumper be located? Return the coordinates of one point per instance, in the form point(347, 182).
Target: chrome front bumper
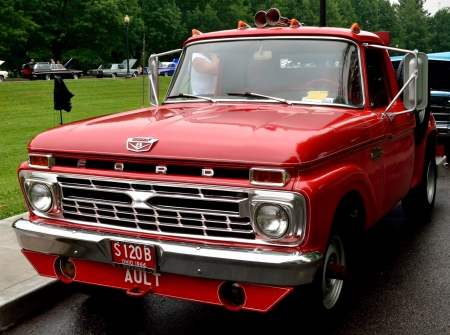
point(195, 260)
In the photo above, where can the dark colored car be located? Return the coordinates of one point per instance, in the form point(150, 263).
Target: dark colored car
point(439, 81)
point(116, 70)
point(48, 71)
point(99, 72)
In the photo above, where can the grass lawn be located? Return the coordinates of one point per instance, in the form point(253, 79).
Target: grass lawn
point(27, 110)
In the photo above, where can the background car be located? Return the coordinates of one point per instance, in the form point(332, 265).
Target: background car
point(439, 82)
point(3, 74)
point(116, 70)
point(167, 68)
point(99, 72)
point(48, 71)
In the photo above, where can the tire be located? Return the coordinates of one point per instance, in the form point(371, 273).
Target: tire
point(75, 76)
point(166, 74)
point(2, 79)
point(134, 75)
point(419, 202)
point(421, 117)
point(348, 225)
point(48, 77)
point(99, 76)
point(113, 75)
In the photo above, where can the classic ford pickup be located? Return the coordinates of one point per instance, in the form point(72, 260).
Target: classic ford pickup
point(299, 141)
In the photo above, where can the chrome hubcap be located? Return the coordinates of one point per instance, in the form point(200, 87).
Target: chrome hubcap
point(331, 288)
point(431, 185)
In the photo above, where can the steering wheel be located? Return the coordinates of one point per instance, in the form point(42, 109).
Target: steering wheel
point(344, 90)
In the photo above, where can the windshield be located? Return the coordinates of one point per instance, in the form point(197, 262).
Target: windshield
point(298, 71)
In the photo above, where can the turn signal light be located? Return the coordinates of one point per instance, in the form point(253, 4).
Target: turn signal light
point(268, 177)
point(41, 161)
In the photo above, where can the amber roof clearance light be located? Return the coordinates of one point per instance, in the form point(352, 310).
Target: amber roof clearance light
point(355, 28)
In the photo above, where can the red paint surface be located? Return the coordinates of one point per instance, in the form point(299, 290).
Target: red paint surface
point(258, 297)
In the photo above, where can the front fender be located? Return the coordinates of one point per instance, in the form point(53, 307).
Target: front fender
point(324, 191)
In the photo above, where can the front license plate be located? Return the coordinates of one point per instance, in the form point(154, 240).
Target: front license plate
point(133, 256)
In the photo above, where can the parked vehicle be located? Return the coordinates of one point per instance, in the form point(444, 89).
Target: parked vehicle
point(99, 72)
point(116, 70)
point(48, 71)
point(439, 83)
point(263, 183)
point(3, 74)
point(167, 68)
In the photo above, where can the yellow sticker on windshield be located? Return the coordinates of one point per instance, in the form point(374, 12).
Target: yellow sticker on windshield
point(317, 95)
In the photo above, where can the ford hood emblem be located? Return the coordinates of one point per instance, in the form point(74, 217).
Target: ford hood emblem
point(138, 144)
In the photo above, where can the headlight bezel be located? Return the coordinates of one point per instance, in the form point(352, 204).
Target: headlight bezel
point(293, 204)
point(29, 186)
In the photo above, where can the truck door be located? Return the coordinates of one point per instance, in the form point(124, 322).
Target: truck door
point(398, 141)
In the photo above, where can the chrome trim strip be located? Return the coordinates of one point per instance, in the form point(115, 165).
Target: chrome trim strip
point(194, 260)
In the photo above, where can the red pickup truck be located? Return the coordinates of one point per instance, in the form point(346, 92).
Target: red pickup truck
point(246, 181)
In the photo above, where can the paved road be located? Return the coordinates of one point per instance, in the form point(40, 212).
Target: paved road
point(404, 288)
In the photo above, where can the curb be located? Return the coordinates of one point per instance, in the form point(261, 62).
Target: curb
point(22, 290)
point(32, 295)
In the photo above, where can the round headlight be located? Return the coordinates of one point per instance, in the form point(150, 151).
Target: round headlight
point(40, 196)
point(272, 220)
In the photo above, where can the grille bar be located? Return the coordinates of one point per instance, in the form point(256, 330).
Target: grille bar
point(158, 208)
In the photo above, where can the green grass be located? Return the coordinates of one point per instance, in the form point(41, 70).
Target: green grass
point(26, 108)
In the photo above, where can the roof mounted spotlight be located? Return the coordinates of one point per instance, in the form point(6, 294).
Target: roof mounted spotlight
point(274, 18)
point(260, 19)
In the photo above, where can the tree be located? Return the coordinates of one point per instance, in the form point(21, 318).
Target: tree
point(440, 24)
point(90, 31)
point(414, 25)
point(15, 29)
point(164, 27)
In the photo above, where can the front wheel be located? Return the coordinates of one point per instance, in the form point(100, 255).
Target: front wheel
point(75, 76)
point(48, 77)
point(1, 79)
point(330, 286)
point(113, 75)
point(419, 202)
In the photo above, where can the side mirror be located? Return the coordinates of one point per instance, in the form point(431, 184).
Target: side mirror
point(154, 81)
point(153, 76)
point(417, 91)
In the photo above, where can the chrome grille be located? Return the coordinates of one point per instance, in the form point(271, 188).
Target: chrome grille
point(155, 207)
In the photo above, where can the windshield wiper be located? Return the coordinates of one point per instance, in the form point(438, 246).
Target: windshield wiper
point(261, 96)
point(184, 95)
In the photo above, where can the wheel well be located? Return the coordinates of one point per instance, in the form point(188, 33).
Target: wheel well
point(350, 214)
point(431, 142)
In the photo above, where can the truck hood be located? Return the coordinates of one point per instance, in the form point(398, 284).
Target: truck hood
point(268, 135)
